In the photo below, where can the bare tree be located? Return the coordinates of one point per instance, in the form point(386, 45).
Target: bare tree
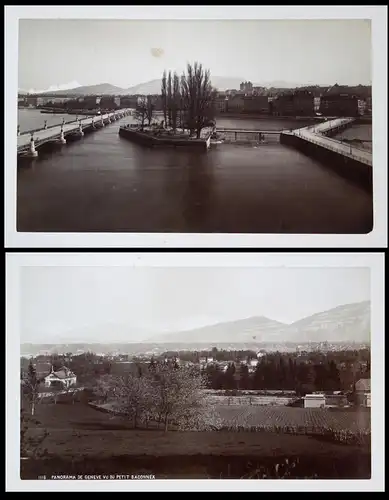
point(198, 97)
point(30, 387)
point(176, 101)
point(150, 107)
point(164, 97)
point(104, 387)
point(169, 98)
point(133, 397)
point(179, 398)
point(140, 113)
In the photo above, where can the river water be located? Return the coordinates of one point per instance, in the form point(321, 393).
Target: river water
point(104, 183)
point(31, 119)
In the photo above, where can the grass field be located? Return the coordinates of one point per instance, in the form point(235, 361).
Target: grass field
point(82, 439)
point(248, 416)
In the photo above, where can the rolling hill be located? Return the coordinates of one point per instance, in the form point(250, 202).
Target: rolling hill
point(343, 323)
point(346, 323)
point(154, 87)
point(255, 329)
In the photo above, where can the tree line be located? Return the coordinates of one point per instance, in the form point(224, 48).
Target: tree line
point(164, 394)
point(285, 373)
point(187, 101)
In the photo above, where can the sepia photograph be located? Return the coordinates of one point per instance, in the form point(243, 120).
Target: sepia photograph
point(210, 126)
point(213, 367)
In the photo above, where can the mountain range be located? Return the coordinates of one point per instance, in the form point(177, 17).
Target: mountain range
point(346, 324)
point(154, 87)
point(350, 322)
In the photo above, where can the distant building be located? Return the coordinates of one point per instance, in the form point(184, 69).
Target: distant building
point(259, 91)
point(336, 400)
point(361, 107)
point(339, 105)
point(31, 101)
point(256, 104)
point(62, 377)
point(314, 401)
point(117, 101)
point(368, 105)
point(246, 87)
point(235, 104)
point(128, 101)
point(363, 391)
point(221, 103)
point(296, 103)
point(316, 104)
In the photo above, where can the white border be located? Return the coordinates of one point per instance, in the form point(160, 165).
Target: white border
point(374, 261)
point(376, 238)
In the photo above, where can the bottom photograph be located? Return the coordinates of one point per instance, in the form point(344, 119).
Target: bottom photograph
point(194, 372)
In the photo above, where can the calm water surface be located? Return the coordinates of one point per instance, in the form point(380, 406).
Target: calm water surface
point(31, 119)
point(105, 183)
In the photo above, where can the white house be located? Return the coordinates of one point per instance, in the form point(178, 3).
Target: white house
point(63, 377)
point(314, 401)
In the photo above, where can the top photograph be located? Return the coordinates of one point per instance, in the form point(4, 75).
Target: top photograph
point(194, 126)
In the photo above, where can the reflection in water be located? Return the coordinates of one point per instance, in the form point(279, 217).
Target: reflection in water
point(197, 197)
point(106, 183)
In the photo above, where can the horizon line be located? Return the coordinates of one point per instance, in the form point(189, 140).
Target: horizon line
point(209, 325)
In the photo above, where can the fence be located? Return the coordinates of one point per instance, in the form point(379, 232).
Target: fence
point(32, 131)
point(249, 137)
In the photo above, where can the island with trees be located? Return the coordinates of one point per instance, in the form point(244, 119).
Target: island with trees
point(187, 117)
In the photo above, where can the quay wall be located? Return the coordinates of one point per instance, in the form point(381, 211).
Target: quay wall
point(349, 168)
point(151, 141)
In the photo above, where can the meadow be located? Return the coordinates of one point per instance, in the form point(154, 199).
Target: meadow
point(83, 440)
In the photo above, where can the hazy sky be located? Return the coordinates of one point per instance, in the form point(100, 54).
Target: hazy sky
point(128, 304)
point(125, 53)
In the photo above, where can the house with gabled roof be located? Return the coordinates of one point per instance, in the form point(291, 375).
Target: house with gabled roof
point(62, 377)
point(363, 385)
point(363, 391)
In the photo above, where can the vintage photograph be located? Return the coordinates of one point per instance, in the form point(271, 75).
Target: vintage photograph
point(194, 126)
point(212, 371)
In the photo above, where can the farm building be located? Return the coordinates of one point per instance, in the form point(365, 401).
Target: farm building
point(314, 401)
point(336, 400)
point(362, 391)
point(363, 385)
point(62, 377)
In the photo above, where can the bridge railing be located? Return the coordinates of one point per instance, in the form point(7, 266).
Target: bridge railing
point(345, 144)
point(33, 130)
point(84, 117)
point(345, 153)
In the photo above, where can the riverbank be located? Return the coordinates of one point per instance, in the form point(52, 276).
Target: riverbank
point(59, 111)
point(257, 116)
point(349, 168)
point(159, 138)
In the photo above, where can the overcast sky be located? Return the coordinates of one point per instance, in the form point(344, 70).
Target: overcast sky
point(126, 53)
point(123, 304)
